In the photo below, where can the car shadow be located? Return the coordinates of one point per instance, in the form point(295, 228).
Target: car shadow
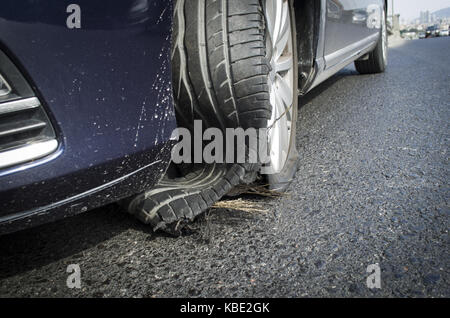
point(326, 85)
point(34, 248)
point(24, 251)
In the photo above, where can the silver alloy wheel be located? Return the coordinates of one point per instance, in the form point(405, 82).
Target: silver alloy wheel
point(384, 37)
point(281, 81)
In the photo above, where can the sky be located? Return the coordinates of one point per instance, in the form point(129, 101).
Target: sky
point(410, 9)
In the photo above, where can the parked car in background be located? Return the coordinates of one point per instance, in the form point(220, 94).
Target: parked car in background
point(444, 32)
point(422, 35)
point(87, 114)
point(410, 35)
point(432, 31)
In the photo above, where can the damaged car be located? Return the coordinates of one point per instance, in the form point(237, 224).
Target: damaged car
point(91, 94)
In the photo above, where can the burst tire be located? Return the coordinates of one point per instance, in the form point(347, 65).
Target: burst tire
point(225, 73)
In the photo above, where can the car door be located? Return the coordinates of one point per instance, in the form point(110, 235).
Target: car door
point(350, 26)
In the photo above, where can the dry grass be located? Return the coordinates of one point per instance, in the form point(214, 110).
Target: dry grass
point(240, 205)
point(259, 190)
point(246, 205)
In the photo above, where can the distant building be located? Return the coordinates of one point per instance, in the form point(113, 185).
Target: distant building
point(425, 17)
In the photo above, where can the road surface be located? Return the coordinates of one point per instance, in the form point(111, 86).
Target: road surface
point(373, 188)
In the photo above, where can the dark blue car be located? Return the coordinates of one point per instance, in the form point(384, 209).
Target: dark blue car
point(92, 90)
point(86, 114)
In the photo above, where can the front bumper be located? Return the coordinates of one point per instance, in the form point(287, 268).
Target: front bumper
point(107, 90)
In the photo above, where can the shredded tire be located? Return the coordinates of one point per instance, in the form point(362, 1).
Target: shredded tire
point(220, 68)
point(176, 202)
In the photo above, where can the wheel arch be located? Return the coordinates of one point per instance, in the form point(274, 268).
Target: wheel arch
point(308, 19)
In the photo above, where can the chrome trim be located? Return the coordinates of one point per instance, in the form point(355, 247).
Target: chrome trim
point(27, 153)
point(4, 82)
point(18, 105)
point(14, 130)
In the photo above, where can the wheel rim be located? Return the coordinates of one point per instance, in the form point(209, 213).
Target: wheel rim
point(281, 81)
point(384, 37)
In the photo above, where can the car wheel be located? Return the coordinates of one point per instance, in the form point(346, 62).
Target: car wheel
point(377, 59)
point(234, 64)
point(283, 83)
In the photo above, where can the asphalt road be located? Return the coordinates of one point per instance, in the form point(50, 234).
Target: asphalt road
point(373, 187)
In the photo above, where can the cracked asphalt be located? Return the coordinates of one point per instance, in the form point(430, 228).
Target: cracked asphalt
point(373, 187)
